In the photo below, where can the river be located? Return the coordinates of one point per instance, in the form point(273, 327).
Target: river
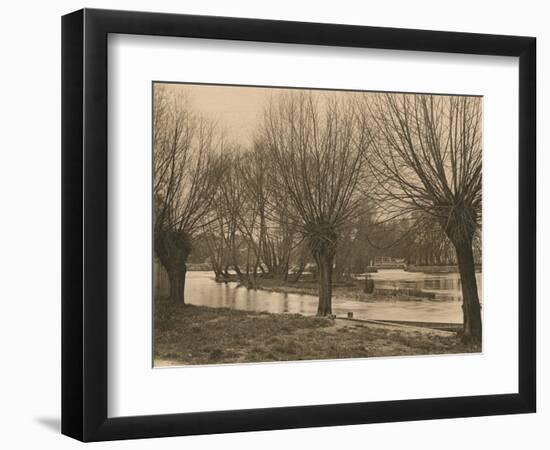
point(201, 289)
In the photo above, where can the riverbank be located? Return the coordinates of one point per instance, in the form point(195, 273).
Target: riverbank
point(348, 289)
point(437, 269)
point(307, 287)
point(187, 334)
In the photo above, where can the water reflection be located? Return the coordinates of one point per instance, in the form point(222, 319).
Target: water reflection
point(445, 286)
point(201, 289)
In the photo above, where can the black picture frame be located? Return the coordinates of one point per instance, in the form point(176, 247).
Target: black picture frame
point(84, 224)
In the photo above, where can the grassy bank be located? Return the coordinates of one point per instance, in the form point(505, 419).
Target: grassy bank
point(201, 335)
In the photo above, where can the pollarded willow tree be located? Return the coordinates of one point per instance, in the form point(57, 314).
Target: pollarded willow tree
point(316, 151)
point(187, 170)
point(427, 158)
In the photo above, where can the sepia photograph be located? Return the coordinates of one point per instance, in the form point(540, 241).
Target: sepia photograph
point(314, 224)
point(275, 223)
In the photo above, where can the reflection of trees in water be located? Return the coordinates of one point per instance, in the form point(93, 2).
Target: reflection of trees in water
point(445, 287)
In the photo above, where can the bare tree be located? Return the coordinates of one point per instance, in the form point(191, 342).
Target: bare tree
point(317, 153)
point(253, 222)
point(427, 158)
point(244, 237)
point(223, 239)
point(187, 171)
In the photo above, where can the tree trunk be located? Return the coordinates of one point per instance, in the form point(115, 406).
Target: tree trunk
point(298, 273)
point(177, 285)
point(470, 299)
point(322, 244)
point(172, 249)
point(324, 268)
point(238, 272)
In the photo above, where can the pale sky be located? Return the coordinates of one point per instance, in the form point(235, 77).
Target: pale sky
point(237, 110)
